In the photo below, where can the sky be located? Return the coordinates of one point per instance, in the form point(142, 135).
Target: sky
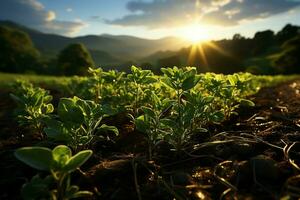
point(190, 19)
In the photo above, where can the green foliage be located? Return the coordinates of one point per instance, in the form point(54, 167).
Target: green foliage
point(172, 107)
point(151, 123)
point(79, 122)
point(37, 188)
point(181, 81)
point(141, 85)
point(288, 32)
point(229, 91)
point(74, 60)
point(33, 105)
point(17, 53)
point(60, 163)
point(288, 61)
point(111, 79)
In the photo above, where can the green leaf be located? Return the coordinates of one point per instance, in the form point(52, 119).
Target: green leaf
point(36, 157)
point(168, 83)
point(77, 160)
point(232, 79)
point(68, 111)
point(190, 72)
point(209, 99)
point(140, 124)
point(47, 108)
point(246, 102)
point(56, 130)
point(168, 122)
point(149, 80)
point(61, 154)
point(190, 82)
point(38, 99)
point(105, 127)
point(218, 116)
point(149, 112)
point(167, 71)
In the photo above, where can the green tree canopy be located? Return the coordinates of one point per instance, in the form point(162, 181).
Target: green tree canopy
point(75, 59)
point(262, 41)
point(288, 32)
point(288, 62)
point(17, 53)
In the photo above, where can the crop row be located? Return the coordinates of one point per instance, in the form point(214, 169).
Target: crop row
point(171, 108)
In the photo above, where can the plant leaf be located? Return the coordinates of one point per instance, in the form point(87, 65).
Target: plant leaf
point(61, 154)
point(190, 82)
point(246, 102)
point(105, 127)
point(77, 160)
point(36, 157)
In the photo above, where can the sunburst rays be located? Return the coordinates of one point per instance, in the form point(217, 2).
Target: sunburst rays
point(197, 54)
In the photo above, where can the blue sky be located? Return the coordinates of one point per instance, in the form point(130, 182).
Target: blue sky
point(213, 19)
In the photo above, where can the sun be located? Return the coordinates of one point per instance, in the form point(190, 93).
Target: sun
point(195, 33)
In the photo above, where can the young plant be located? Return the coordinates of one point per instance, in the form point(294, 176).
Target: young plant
point(181, 81)
point(228, 92)
point(141, 80)
point(200, 107)
point(151, 122)
point(33, 105)
point(60, 163)
point(232, 94)
point(97, 82)
point(79, 122)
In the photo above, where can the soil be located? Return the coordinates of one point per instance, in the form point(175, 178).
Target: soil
point(251, 156)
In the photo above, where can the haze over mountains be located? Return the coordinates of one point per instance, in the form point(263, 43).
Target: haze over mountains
point(105, 49)
point(267, 52)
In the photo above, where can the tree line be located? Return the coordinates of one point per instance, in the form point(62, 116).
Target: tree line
point(266, 53)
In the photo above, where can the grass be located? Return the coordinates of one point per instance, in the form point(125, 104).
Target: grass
point(51, 82)
point(56, 82)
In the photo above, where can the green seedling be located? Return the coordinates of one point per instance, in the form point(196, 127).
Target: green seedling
point(181, 81)
point(151, 122)
point(60, 163)
point(79, 123)
point(229, 92)
point(140, 78)
point(33, 105)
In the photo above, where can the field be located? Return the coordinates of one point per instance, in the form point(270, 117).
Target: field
point(179, 135)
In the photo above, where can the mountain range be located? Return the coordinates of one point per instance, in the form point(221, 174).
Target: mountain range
point(106, 50)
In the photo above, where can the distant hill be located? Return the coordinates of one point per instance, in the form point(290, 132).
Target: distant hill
point(105, 49)
point(256, 55)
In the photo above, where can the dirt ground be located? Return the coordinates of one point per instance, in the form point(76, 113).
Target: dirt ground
point(252, 156)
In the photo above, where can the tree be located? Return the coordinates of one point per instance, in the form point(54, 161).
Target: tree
point(288, 32)
point(75, 59)
point(288, 62)
point(17, 53)
point(262, 41)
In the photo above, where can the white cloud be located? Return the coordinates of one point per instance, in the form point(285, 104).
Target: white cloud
point(165, 13)
point(69, 9)
point(32, 13)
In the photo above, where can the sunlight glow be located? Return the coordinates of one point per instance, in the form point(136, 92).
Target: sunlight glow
point(195, 33)
point(197, 50)
point(197, 55)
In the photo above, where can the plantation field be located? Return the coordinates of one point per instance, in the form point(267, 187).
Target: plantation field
point(6, 79)
point(179, 135)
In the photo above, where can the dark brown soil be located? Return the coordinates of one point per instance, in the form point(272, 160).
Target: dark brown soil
point(242, 158)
